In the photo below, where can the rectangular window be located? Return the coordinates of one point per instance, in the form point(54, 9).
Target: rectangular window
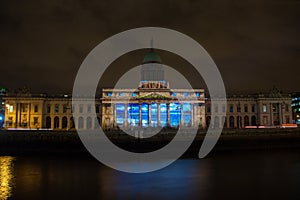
point(89, 108)
point(264, 108)
point(97, 108)
point(80, 109)
point(208, 109)
point(287, 107)
point(56, 108)
point(216, 108)
point(246, 108)
point(287, 119)
point(36, 108)
point(11, 108)
point(231, 108)
point(35, 120)
point(265, 118)
point(238, 108)
point(48, 108)
point(223, 109)
point(65, 108)
point(253, 108)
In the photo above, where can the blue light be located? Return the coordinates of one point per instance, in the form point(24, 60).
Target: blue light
point(1, 118)
point(109, 94)
point(173, 94)
point(133, 94)
point(185, 94)
point(197, 94)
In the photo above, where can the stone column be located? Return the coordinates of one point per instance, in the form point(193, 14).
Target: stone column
point(149, 114)
point(168, 114)
point(125, 115)
point(140, 114)
point(280, 114)
point(192, 114)
point(181, 114)
point(158, 114)
point(271, 115)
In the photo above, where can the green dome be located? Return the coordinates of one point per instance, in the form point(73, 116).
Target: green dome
point(151, 57)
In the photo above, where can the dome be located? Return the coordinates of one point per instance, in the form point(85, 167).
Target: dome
point(151, 57)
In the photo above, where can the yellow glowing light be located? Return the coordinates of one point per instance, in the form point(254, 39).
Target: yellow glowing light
point(6, 177)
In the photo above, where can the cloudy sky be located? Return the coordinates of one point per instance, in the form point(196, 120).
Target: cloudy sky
point(255, 44)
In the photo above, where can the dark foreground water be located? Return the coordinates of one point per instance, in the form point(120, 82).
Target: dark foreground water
point(229, 175)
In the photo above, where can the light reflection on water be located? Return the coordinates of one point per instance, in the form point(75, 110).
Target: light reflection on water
point(6, 177)
point(253, 175)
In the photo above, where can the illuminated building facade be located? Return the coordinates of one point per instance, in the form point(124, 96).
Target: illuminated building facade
point(2, 107)
point(296, 107)
point(153, 103)
point(266, 110)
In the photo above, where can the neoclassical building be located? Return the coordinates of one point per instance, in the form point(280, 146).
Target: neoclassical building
point(153, 103)
point(265, 110)
point(46, 112)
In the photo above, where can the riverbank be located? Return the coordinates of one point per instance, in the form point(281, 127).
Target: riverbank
point(35, 142)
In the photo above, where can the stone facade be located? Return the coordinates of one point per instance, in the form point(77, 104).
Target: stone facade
point(269, 110)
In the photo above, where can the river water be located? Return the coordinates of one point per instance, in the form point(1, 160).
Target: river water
point(227, 175)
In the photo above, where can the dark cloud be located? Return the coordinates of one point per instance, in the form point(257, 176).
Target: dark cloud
point(254, 43)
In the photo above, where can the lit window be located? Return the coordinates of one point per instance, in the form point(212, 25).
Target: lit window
point(11, 108)
point(121, 94)
point(109, 94)
point(264, 108)
point(133, 94)
point(185, 94)
point(197, 94)
point(173, 94)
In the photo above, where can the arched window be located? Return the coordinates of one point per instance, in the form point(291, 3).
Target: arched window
point(208, 118)
point(72, 124)
point(48, 122)
point(239, 121)
point(231, 122)
point(246, 121)
point(88, 122)
point(64, 122)
point(253, 121)
point(97, 123)
point(56, 122)
point(224, 121)
point(80, 122)
point(216, 122)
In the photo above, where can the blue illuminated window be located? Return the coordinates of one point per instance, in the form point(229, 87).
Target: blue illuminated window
point(109, 94)
point(175, 114)
point(197, 94)
point(145, 116)
point(133, 94)
point(163, 115)
point(173, 94)
point(185, 94)
point(133, 114)
point(121, 94)
point(120, 108)
point(154, 118)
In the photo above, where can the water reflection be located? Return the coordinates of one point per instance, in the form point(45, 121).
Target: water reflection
point(6, 177)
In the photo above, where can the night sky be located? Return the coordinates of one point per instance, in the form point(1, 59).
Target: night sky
point(255, 44)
